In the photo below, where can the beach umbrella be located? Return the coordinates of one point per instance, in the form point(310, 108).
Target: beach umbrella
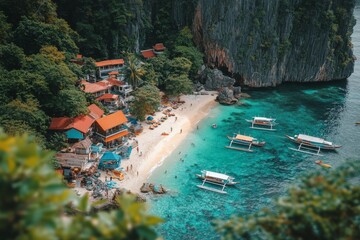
point(149, 118)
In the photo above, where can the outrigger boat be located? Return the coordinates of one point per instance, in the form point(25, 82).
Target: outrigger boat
point(262, 123)
point(244, 140)
point(216, 179)
point(311, 145)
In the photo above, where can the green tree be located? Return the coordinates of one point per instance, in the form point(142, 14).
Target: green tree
point(134, 71)
point(11, 56)
point(5, 28)
point(27, 112)
point(322, 206)
point(177, 81)
point(177, 85)
point(192, 54)
point(160, 64)
point(147, 100)
point(35, 202)
point(69, 102)
point(32, 35)
point(56, 141)
point(150, 75)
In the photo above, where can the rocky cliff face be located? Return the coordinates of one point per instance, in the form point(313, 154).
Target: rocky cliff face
point(267, 42)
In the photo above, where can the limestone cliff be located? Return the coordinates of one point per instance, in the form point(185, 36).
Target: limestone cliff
point(267, 42)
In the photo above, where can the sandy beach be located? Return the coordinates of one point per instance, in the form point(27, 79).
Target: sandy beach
point(153, 147)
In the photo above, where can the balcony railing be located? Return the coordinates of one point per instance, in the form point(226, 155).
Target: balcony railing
point(112, 132)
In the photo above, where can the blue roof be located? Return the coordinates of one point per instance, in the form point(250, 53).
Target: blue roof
point(74, 134)
point(150, 118)
point(110, 156)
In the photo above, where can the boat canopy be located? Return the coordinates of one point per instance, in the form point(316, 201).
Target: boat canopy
point(264, 119)
point(244, 138)
point(216, 175)
point(313, 139)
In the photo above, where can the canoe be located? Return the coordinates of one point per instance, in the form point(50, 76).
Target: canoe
point(324, 165)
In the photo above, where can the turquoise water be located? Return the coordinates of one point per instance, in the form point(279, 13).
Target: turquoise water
point(326, 110)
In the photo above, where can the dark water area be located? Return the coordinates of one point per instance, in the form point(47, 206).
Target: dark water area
point(327, 110)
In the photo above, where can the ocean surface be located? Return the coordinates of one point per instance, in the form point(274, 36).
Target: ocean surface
point(327, 110)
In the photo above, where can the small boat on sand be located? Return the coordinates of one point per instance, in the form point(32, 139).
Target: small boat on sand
point(215, 179)
point(324, 165)
point(262, 123)
point(244, 140)
point(312, 145)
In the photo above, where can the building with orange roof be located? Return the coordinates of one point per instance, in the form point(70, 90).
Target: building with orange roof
point(111, 129)
point(159, 48)
point(109, 99)
point(107, 66)
point(149, 53)
point(97, 88)
point(79, 127)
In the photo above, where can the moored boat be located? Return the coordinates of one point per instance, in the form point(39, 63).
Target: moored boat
point(312, 144)
point(262, 123)
point(216, 179)
point(244, 140)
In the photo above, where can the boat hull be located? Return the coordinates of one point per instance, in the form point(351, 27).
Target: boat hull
point(313, 145)
point(216, 181)
point(246, 143)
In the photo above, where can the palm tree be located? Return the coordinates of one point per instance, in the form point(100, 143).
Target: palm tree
point(134, 71)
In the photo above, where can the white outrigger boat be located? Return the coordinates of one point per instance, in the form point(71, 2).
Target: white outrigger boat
point(244, 140)
point(311, 145)
point(262, 123)
point(216, 179)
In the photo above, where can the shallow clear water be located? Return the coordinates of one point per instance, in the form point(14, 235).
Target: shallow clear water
point(326, 110)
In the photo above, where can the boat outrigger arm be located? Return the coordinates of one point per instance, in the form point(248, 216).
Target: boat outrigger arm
point(312, 151)
point(240, 149)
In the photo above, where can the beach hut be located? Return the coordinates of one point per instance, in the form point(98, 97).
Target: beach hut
point(109, 160)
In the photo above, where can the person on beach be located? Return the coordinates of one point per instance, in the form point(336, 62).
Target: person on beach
point(131, 167)
point(180, 130)
point(140, 154)
point(127, 168)
point(197, 127)
point(137, 149)
point(175, 119)
point(137, 173)
point(171, 129)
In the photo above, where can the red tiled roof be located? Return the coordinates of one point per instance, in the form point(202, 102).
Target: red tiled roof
point(95, 87)
point(95, 111)
point(113, 82)
point(112, 120)
point(109, 62)
point(159, 47)
point(81, 123)
point(148, 53)
point(79, 56)
point(61, 123)
point(116, 136)
point(113, 73)
point(107, 96)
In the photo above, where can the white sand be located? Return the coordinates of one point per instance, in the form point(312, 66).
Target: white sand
point(155, 147)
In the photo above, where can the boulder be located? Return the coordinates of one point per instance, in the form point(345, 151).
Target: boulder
point(237, 92)
point(226, 96)
point(214, 79)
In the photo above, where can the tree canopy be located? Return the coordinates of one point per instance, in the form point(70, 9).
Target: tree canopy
point(147, 101)
point(324, 205)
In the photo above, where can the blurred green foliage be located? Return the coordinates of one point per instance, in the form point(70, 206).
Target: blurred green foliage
point(324, 205)
point(34, 201)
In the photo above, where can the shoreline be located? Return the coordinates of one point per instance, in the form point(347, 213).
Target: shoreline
point(153, 148)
